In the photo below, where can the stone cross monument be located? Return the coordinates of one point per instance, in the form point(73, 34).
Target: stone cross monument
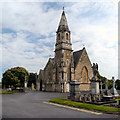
point(113, 89)
point(95, 81)
point(74, 89)
point(25, 83)
point(107, 92)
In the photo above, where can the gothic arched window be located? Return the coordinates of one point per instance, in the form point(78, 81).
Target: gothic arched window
point(67, 36)
point(84, 75)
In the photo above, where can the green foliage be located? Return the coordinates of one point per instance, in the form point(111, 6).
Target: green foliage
point(118, 84)
point(103, 81)
point(32, 79)
point(14, 77)
point(117, 100)
point(11, 92)
point(110, 84)
point(85, 105)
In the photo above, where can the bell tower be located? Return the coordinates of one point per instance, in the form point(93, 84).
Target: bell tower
point(63, 35)
point(63, 53)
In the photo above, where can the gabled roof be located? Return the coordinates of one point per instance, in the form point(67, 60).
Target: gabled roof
point(63, 26)
point(51, 60)
point(76, 56)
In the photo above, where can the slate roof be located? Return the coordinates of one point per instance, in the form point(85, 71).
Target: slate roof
point(76, 56)
point(63, 25)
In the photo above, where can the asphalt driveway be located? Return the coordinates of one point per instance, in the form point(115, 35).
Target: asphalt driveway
point(33, 105)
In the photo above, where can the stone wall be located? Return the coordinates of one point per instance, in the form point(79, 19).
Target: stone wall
point(85, 87)
point(84, 62)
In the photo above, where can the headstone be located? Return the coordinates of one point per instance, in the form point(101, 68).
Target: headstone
point(107, 92)
point(33, 87)
point(83, 99)
point(99, 97)
point(107, 95)
point(95, 86)
point(113, 89)
point(89, 97)
point(25, 84)
point(80, 98)
point(101, 90)
point(75, 90)
point(93, 98)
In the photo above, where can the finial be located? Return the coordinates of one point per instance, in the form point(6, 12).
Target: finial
point(63, 8)
point(83, 46)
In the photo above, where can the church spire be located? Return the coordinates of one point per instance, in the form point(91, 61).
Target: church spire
point(63, 26)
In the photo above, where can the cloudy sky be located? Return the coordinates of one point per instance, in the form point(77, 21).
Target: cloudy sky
point(29, 33)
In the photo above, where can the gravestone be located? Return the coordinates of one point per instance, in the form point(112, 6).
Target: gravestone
point(94, 80)
point(75, 90)
point(89, 97)
point(107, 92)
point(25, 84)
point(113, 89)
point(80, 98)
point(95, 86)
point(107, 97)
point(101, 90)
point(33, 87)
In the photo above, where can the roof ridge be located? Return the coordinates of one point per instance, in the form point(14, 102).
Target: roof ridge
point(80, 50)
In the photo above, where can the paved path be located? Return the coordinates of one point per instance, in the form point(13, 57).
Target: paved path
point(36, 105)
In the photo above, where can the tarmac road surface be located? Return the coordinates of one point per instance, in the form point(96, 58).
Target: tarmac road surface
point(36, 105)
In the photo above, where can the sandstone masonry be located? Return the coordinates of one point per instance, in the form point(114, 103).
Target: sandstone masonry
point(66, 65)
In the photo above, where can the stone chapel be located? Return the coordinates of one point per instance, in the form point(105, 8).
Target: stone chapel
point(66, 65)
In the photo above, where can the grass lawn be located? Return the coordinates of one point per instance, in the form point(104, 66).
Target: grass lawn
point(11, 92)
point(85, 105)
point(117, 100)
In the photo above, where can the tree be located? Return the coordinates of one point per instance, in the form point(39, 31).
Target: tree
point(117, 83)
point(103, 79)
point(110, 84)
point(14, 77)
point(7, 79)
point(32, 79)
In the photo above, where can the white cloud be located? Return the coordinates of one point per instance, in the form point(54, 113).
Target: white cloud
point(92, 24)
point(29, 17)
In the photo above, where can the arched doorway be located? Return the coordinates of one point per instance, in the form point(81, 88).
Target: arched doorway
point(40, 85)
point(84, 75)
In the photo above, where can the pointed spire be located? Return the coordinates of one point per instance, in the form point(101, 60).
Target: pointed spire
point(63, 26)
point(63, 8)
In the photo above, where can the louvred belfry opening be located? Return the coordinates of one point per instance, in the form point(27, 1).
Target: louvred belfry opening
point(63, 35)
